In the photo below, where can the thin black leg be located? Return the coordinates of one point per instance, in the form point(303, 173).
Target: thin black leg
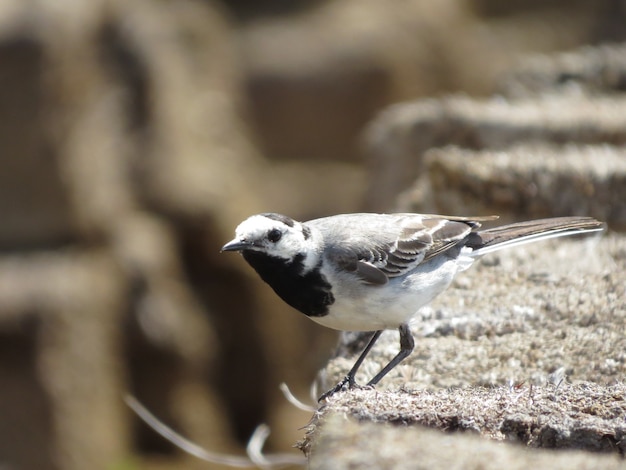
point(349, 379)
point(407, 343)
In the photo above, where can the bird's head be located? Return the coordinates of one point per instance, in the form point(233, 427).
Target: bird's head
point(274, 235)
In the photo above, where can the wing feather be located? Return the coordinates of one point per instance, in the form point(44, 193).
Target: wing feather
point(392, 245)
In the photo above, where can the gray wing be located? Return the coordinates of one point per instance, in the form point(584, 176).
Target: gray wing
point(378, 247)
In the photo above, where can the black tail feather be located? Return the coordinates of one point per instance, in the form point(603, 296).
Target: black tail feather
point(492, 239)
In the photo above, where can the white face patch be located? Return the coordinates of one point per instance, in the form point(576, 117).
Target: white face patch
point(261, 231)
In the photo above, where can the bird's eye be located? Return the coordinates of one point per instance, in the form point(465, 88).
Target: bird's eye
point(274, 235)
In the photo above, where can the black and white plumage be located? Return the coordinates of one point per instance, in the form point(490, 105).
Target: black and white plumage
point(372, 272)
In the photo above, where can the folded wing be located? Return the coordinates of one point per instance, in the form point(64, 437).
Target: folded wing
point(392, 245)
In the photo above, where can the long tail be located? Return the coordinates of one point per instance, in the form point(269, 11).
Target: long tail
point(506, 236)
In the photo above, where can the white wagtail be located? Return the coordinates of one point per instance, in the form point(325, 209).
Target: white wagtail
point(373, 272)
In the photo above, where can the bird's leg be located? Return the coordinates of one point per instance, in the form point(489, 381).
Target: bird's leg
point(349, 378)
point(407, 343)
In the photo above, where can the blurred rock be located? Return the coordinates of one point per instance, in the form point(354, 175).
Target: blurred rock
point(324, 188)
point(67, 307)
point(596, 70)
point(529, 181)
point(315, 79)
point(34, 209)
point(398, 139)
point(120, 128)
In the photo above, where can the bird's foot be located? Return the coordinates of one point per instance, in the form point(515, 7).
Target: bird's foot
point(347, 383)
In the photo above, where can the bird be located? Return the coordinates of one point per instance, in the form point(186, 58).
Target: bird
point(374, 272)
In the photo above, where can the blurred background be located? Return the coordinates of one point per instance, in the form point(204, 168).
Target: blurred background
point(136, 135)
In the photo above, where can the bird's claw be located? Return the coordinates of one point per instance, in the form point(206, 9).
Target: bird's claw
point(347, 383)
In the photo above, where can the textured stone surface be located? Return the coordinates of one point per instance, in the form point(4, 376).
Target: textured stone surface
point(346, 443)
point(527, 346)
point(584, 416)
point(519, 316)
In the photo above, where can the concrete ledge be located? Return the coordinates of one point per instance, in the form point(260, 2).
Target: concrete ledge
point(345, 442)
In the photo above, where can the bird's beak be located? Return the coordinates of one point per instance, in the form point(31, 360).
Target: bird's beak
point(236, 245)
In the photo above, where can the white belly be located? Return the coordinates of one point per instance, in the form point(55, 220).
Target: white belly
point(366, 307)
